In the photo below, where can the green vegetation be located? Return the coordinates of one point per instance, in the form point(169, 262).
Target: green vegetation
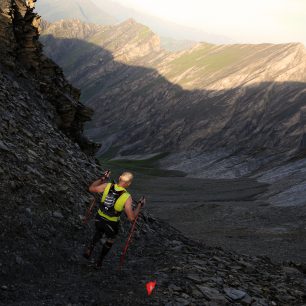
point(109, 154)
point(221, 60)
point(147, 166)
point(190, 59)
point(206, 60)
point(174, 45)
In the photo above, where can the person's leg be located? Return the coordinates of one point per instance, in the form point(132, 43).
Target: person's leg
point(97, 236)
point(111, 230)
point(105, 249)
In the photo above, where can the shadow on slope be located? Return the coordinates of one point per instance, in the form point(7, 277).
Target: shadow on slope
point(137, 110)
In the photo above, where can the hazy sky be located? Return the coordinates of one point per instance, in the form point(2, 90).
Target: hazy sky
point(241, 20)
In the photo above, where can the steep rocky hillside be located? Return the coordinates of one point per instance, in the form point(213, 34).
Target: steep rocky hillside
point(43, 191)
point(211, 101)
point(44, 173)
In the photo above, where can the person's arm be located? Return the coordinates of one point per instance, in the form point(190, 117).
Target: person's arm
point(97, 186)
point(128, 208)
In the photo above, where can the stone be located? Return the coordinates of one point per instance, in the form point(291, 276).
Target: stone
point(19, 260)
point(291, 270)
point(177, 248)
point(260, 302)
point(247, 300)
point(196, 293)
point(211, 294)
point(16, 85)
point(182, 301)
point(195, 278)
point(173, 287)
point(29, 211)
point(199, 262)
point(185, 295)
point(234, 294)
point(58, 214)
point(217, 280)
point(3, 146)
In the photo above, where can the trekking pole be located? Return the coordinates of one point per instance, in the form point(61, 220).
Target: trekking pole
point(94, 200)
point(122, 257)
point(89, 210)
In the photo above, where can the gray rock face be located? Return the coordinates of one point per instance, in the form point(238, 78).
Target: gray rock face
point(42, 168)
point(21, 51)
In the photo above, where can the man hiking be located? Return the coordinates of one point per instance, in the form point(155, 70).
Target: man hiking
point(114, 200)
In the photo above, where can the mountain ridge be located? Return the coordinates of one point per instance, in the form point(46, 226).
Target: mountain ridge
point(84, 10)
point(219, 111)
point(66, 10)
point(225, 73)
point(202, 49)
point(161, 26)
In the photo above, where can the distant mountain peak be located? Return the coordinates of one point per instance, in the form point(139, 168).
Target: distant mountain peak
point(72, 28)
point(126, 41)
point(84, 10)
point(132, 24)
point(130, 21)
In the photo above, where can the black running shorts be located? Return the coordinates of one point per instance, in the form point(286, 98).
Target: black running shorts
point(104, 226)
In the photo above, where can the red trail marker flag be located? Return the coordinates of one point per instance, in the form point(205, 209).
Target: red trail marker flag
point(150, 286)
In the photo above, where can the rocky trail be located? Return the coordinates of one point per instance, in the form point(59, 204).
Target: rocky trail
point(187, 273)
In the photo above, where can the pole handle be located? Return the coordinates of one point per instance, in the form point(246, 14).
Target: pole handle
point(88, 214)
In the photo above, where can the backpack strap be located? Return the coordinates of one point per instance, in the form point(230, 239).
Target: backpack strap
point(119, 206)
point(106, 191)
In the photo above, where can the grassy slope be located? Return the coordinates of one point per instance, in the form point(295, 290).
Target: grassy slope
point(207, 59)
point(209, 63)
point(146, 166)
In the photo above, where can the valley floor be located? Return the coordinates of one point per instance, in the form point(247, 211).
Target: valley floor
point(232, 214)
